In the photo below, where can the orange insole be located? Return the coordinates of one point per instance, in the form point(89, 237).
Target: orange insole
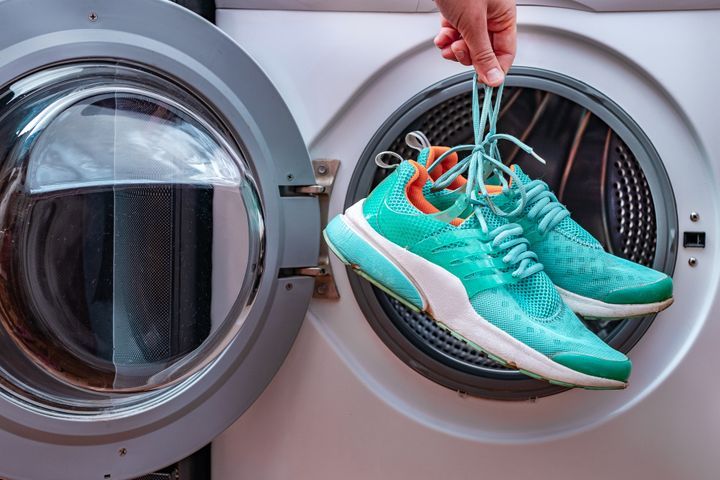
point(414, 192)
point(447, 163)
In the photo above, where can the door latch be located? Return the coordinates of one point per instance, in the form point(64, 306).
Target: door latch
point(325, 171)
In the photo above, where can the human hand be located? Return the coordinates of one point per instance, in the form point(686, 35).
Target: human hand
point(481, 33)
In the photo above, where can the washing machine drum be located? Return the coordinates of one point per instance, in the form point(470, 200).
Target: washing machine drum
point(148, 288)
point(599, 163)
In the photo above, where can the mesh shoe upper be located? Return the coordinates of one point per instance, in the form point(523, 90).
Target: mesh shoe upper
point(529, 309)
point(577, 262)
point(444, 198)
point(572, 257)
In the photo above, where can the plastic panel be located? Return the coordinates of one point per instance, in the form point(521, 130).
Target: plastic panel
point(428, 5)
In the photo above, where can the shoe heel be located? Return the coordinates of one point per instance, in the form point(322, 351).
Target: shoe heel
point(356, 252)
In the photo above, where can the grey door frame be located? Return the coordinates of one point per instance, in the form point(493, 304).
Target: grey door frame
point(166, 38)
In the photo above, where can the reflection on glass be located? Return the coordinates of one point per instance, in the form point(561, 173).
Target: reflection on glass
point(131, 237)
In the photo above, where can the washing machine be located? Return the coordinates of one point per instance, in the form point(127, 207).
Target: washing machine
point(164, 285)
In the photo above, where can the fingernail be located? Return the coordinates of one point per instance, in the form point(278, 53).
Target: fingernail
point(495, 76)
point(460, 54)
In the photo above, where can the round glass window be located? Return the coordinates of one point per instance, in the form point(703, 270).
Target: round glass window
point(130, 236)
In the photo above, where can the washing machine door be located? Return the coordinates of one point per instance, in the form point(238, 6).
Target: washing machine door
point(152, 227)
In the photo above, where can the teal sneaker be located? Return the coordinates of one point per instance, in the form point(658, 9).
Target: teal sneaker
point(593, 282)
point(475, 276)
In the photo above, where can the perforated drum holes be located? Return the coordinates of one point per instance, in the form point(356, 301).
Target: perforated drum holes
point(435, 336)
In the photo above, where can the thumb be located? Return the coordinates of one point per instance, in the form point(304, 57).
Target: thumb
point(483, 57)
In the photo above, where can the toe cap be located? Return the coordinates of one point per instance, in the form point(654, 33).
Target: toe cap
point(597, 367)
point(651, 292)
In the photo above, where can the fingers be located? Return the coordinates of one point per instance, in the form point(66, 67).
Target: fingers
point(505, 45)
point(451, 46)
point(448, 54)
point(457, 52)
point(503, 30)
point(445, 37)
point(479, 33)
point(483, 58)
point(461, 52)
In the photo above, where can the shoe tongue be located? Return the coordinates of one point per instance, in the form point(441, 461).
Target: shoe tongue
point(407, 172)
point(524, 179)
point(423, 157)
point(493, 221)
point(504, 200)
point(427, 156)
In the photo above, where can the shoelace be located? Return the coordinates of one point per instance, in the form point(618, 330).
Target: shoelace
point(509, 238)
point(544, 206)
point(506, 238)
point(484, 159)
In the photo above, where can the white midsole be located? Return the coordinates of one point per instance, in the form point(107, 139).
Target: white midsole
point(445, 298)
point(591, 308)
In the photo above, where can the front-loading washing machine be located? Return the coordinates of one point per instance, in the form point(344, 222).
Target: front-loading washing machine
point(161, 224)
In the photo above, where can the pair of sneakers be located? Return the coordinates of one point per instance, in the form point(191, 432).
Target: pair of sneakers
point(499, 263)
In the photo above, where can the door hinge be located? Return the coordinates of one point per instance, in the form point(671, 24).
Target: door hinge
point(325, 171)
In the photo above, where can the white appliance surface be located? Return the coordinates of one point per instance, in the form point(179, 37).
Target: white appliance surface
point(429, 5)
point(343, 406)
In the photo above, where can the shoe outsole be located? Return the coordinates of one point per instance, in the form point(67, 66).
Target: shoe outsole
point(521, 350)
point(592, 309)
point(356, 268)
